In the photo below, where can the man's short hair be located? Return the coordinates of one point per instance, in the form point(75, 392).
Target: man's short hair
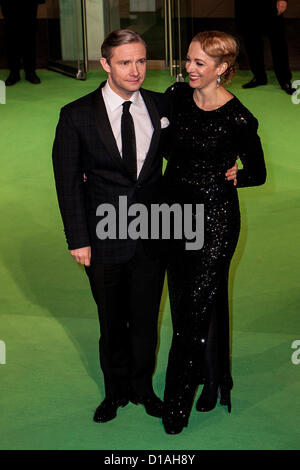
point(119, 37)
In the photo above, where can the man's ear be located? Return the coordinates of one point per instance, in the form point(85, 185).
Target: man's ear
point(105, 64)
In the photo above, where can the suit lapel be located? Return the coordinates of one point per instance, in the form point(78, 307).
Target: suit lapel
point(105, 130)
point(155, 118)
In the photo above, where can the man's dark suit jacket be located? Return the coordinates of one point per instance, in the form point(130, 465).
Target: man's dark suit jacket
point(84, 143)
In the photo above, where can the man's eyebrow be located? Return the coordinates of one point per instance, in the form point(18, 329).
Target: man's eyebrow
point(129, 60)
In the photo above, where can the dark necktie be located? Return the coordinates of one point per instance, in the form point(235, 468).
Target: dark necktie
point(128, 140)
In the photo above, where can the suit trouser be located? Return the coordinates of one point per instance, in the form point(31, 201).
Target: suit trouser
point(128, 298)
point(20, 34)
point(254, 44)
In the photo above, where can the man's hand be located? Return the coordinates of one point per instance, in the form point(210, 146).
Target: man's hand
point(281, 7)
point(232, 173)
point(82, 255)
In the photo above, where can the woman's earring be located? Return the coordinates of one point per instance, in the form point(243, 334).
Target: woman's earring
point(218, 80)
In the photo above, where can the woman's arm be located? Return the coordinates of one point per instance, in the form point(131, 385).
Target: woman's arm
point(251, 155)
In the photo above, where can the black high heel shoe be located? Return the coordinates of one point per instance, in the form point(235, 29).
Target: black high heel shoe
point(175, 416)
point(174, 424)
point(177, 407)
point(225, 397)
point(209, 397)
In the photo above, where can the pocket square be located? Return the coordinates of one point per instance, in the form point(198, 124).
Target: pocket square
point(164, 122)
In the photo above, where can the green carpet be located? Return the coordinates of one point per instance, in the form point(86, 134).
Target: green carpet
point(51, 383)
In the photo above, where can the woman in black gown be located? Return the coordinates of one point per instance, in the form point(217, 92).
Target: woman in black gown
point(210, 129)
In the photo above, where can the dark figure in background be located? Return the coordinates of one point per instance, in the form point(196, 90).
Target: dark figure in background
point(20, 32)
point(209, 129)
point(254, 20)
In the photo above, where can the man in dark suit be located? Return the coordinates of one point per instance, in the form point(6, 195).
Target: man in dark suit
point(254, 19)
point(20, 32)
point(125, 277)
point(97, 137)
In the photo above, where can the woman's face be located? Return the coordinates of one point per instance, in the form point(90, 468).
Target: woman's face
point(202, 69)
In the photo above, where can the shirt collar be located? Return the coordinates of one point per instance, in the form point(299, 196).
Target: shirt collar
point(114, 100)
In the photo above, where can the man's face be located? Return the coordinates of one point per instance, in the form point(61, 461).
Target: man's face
point(126, 68)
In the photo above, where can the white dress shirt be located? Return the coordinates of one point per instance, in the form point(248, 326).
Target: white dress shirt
point(142, 122)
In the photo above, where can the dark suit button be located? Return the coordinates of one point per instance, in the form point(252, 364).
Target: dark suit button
point(138, 186)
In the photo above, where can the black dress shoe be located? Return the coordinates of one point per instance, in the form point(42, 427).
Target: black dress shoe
point(107, 410)
point(153, 405)
point(32, 78)
point(254, 83)
point(12, 79)
point(287, 87)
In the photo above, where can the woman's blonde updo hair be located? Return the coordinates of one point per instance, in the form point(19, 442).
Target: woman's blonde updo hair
point(222, 47)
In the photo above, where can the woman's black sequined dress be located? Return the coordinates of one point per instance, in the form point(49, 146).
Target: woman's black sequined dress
point(203, 145)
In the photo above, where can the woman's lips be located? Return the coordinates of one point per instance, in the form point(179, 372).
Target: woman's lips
point(193, 79)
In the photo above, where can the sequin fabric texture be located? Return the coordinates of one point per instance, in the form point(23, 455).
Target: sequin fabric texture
point(203, 145)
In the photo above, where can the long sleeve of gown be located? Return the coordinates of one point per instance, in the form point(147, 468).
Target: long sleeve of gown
point(251, 155)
